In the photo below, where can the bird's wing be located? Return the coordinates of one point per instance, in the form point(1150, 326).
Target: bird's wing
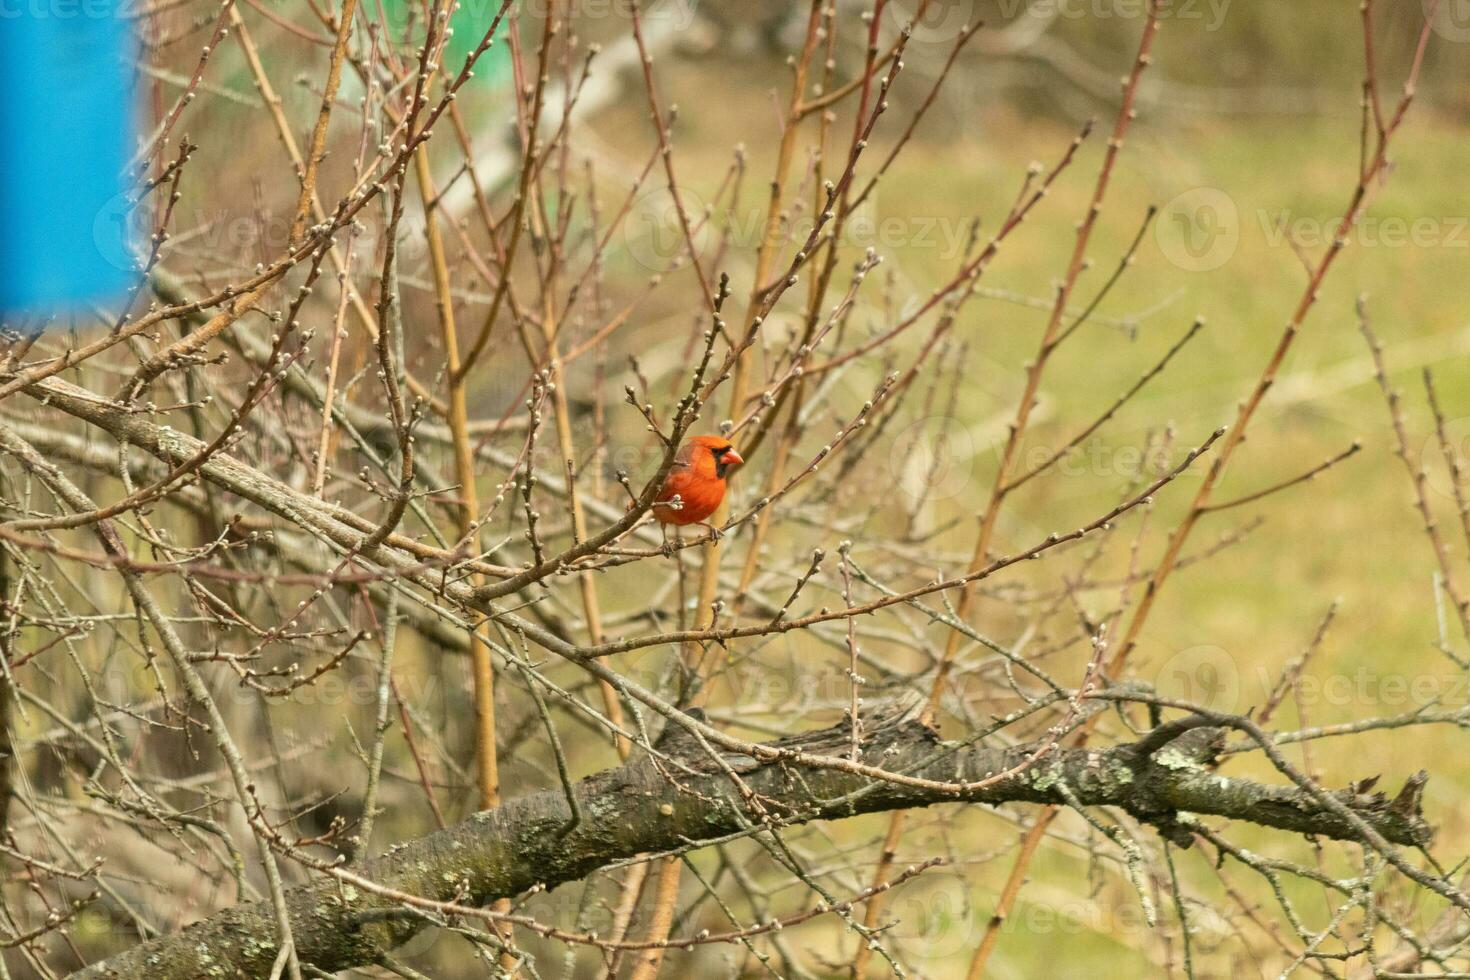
point(684, 458)
point(679, 473)
point(676, 480)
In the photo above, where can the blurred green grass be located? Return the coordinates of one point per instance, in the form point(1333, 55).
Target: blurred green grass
point(1351, 534)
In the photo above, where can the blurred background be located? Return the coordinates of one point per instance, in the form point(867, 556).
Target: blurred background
point(1247, 143)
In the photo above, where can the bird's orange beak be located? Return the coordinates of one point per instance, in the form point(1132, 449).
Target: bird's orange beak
point(731, 457)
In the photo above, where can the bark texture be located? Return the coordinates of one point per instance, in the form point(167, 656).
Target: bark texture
point(637, 809)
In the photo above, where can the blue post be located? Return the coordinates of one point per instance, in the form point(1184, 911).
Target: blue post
point(66, 110)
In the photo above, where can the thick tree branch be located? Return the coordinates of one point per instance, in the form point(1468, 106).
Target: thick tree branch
point(636, 809)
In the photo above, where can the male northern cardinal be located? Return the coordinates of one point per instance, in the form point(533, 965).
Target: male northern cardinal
point(696, 484)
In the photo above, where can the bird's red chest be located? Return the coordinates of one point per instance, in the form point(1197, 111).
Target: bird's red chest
point(699, 497)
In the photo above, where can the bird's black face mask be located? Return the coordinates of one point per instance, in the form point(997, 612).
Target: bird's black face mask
point(722, 465)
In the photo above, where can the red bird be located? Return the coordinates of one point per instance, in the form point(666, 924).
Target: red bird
point(695, 485)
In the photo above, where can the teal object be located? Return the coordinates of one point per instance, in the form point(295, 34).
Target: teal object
point(66, 110)
point(470, 25)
